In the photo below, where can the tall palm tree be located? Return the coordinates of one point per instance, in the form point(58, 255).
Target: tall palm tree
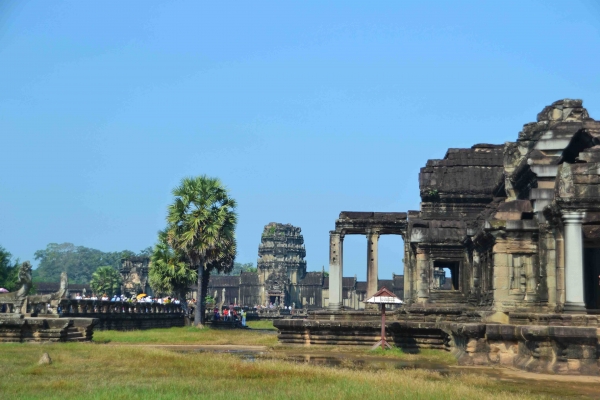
point(201, 225)
point(168, 272)
point(107, 280)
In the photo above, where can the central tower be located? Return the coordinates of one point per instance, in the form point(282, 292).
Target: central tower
point(280, 262)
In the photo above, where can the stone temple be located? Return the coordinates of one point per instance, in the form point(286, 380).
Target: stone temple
point(510, 227)
point(282, 279)
point(501, 262)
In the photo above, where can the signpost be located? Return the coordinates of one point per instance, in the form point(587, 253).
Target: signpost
point(383, 297)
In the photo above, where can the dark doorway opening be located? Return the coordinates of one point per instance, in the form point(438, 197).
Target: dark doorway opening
point(446, 275)
point(591, 278)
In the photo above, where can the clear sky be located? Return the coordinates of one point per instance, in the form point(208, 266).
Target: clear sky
point(303, 109)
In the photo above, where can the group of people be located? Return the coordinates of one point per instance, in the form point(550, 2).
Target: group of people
point(231, 315)
point(271, 306)
point(132, 299)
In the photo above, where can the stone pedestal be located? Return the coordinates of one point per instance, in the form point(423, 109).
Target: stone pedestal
point(574, 301)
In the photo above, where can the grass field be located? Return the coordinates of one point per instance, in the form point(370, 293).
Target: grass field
point(118, 370)
point(264, 324)
point(188, 335)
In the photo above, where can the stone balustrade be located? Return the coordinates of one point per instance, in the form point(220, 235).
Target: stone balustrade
point(83, 307)
point(116, 315)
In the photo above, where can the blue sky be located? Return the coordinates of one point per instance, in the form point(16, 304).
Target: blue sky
point(303, 109)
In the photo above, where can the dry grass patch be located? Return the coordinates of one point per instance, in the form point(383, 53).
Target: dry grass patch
point(95, 371)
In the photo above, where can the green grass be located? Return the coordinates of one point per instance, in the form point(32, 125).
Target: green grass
point(96, 371)
point(110, 368)
point(187, 335)
point(429, 355)
point(262, 324)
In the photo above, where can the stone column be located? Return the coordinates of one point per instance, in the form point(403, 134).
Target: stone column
point(574, 300)
point(372, 262)
point(423, 271)
point(336, 254)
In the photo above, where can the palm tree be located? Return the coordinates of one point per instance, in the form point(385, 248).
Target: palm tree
point(105, 280)
point(201, 226)
point(168, 271)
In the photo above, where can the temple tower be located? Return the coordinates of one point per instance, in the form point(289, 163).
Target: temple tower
point(280, 262)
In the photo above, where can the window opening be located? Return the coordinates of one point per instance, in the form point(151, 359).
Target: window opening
point(446, 275)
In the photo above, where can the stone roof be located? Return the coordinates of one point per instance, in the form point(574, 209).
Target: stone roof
point(224, 281)
point(249, 278)
point(312, 278)
point(51, 287)
point(348, 282)
point(398, 282)
point(465, 173)
point(388, 283)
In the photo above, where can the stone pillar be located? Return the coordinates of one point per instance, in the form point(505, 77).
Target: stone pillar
point(372, 262)
point(407, 273)
point(574, 300)
point(336, 254)
point(423, 276)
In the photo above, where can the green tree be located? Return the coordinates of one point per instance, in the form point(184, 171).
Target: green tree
point(201, 226)
point(168, 272)
point(9, 270)
point(238, 268)
point(78, 262)
point(107, 280)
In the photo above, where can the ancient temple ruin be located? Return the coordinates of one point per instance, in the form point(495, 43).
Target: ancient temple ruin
point(501, 227)
point(134, 275)
point(282, 279)
point(501, 262)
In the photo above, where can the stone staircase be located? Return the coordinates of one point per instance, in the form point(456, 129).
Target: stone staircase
point(447, 297)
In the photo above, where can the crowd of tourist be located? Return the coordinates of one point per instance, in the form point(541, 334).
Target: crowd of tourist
point(230, 315)
point(133, 299)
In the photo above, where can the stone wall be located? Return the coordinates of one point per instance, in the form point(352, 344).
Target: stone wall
point(535, 348)
point(17, 328)
point(543, 343)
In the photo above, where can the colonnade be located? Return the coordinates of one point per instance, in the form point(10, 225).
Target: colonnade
point(336, 266)
point(574, 263)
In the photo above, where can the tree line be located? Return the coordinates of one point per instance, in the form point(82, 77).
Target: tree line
point(82, 265)
point(78, 262)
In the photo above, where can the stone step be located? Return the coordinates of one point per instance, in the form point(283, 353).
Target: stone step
point(542, 194)
point(545, 171)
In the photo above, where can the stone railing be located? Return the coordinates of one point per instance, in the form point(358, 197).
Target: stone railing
point(83, 307)
point(123, 315)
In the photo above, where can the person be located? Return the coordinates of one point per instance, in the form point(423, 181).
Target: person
point(243, 312)
point(225, 315)
point(78, 296)
point(104, 297)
